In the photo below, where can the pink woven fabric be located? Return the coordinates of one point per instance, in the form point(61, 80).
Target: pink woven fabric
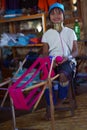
point(26, 102)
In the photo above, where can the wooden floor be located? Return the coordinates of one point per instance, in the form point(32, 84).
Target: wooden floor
point(63, 120)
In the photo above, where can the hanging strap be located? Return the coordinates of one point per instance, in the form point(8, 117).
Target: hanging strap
point(61, 44)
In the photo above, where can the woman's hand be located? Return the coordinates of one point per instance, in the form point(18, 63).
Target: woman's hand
point(64, 59)
point(59, 63)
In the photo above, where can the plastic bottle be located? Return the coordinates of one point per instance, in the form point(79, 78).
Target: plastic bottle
point(77, 29)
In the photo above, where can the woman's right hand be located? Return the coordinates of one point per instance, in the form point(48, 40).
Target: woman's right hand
point(62, 61)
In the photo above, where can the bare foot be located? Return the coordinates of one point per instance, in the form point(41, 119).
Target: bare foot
point(47, 117)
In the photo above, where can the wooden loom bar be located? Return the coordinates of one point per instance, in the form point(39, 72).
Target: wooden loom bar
point(40, 84)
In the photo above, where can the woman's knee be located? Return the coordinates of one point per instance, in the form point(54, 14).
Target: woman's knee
point(63, 79)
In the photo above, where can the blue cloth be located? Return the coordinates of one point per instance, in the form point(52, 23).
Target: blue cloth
point(62, 94)
point(15, 11)
point(47, 96)
point(24, 40)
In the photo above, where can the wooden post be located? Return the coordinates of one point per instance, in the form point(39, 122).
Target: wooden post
point(51, 104)
point(51, 96)
point(84, 16)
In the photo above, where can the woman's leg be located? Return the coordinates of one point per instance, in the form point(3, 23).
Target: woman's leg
point(62, 89)
point(48, 115)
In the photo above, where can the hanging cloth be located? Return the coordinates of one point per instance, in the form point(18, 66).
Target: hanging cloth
point(50, 2)
point(12, 4)
point(44, 4)
point(3, 4)
point(28, 3)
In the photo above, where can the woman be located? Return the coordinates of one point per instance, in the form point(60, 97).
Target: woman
point(60, 41)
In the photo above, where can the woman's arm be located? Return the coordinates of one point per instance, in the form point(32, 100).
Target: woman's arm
point(74, 52)
point(45, 51)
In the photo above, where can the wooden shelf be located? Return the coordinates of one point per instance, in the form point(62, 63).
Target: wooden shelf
point(12, 29)
point(11, 21)
point(21, 18)
point(29, 45)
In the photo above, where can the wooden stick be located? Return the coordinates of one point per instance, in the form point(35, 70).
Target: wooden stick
point(39, 84)
point(3, 101)
point(51, 104)
point(5, 82)
point(5, 96)
point(20, 67)
point(9, 81)
point(51, 97)
point(36, 104)
point(51, 68)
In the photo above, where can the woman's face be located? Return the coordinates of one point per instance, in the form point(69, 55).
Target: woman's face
point(56, 16)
